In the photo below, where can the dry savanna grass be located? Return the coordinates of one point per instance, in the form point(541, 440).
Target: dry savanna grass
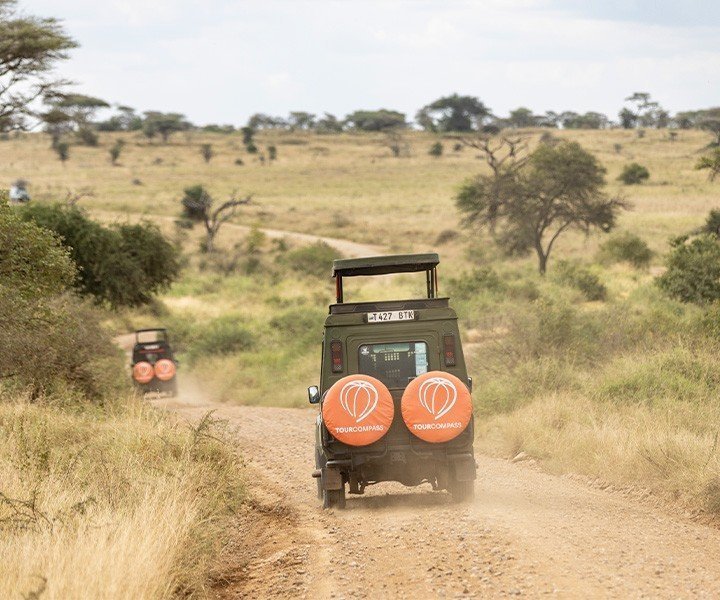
point(251, 331)
point(112, 503)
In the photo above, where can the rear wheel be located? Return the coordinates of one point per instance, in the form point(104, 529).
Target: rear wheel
point(462, 491)
point(334, 498)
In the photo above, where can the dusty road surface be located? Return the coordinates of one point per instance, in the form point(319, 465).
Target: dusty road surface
point(527, 534)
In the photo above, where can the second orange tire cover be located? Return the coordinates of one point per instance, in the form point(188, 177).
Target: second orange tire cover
point(436, 406)
point(358, 410)
point(165, 369)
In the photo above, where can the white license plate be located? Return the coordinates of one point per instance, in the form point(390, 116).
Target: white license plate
point(391, 315)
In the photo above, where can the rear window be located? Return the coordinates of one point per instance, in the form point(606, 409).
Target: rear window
point(394, 364)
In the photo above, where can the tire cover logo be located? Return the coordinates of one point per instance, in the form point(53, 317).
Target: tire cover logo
point(359, 399)
point(437, 395)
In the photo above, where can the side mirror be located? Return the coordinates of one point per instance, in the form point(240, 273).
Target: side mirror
point(470, 384)
point(313, 394)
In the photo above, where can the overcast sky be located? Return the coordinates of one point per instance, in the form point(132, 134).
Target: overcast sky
point(222, 60)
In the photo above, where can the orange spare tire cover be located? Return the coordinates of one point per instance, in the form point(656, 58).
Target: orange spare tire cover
point(358, 410)
point(143, 372)
point(165, 369)
point(436, 406)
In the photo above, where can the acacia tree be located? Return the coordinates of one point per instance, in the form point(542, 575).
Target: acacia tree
point(527, 207)
point(198, 205)
point(163, 124)
point(453, 113)
point(29, 48)
point(711, 163)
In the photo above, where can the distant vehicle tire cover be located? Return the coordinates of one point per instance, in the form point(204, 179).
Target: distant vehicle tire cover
point(358, 410)
point(143, 372)
point(165, 369)
point(436, 406)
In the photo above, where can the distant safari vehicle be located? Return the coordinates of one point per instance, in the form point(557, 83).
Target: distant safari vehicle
point(154, 368)
point(394, 392)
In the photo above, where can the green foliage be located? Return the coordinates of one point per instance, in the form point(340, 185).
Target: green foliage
point(581, 278)
point(272, 153)
point(453, 113)
point(634, 174)
point(224, 335)
point(87, 136)
point(470, 284)
point(116, 150)
point(195, 202)
point(436, 149)
point(63, 151)
point(298, 324)
point(529, 205)
point(693, 270)
point(206, 151)
point(315, 259)
point(376, 120)
point(29, 48)
point(163, 124)
point(47, 337)
point(626, 247)
point(711, 163)
point(125, 265)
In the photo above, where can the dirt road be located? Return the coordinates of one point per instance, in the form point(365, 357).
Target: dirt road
point(527, 533)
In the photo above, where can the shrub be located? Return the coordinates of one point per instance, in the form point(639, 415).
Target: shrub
point(194, 199)
point(693, 270)
point(315, 260)
point(634, 174)
point(124, 265)
point(436, 149)
point(206, 151)
point(470, 284)
point(87, 136)
point(272, 153)
point(116, 150)
point(224, 335)
point(581, 278)
point(626, 247)
point(298, 324)
point(62, 149)
point(47, 337)
point(445, 236)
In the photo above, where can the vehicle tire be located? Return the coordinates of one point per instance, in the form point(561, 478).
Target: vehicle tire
point(319, 464)
point(334, 498)
point(462, 491)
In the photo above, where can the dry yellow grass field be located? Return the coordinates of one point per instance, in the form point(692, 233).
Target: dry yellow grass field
point(349, 186)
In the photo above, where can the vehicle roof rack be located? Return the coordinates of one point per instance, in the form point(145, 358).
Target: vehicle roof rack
point(384, 265)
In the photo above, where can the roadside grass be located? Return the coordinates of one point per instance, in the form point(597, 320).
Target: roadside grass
point(111, 502)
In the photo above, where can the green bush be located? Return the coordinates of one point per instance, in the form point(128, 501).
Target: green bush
point(436, 149)
point(224, 335)
point(48, 338)
point(299, 324)
point(693, 270)
point(195, 201)
point(315, 259)
point(123, 265)
point(582, 279)
point(634, 174)
point(626, 247)
point(470, 284)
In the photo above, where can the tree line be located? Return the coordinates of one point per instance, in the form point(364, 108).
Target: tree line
point(30, 48)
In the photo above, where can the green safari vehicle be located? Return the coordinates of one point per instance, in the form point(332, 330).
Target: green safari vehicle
point(394, 393)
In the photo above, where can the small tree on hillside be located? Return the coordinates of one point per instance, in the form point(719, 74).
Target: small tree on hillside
point(163, 124)
point(528, 207)
point(711, 163)
point(396, 141)
point(710, 121)
point(116, 150)
point(206, 151)
point(198, 205)
point(453, 113)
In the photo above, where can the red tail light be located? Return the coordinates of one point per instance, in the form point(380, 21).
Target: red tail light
point(336, 356)
point(449, 349)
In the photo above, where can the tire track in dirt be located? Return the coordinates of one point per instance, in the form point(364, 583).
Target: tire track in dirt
point(527, 534)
